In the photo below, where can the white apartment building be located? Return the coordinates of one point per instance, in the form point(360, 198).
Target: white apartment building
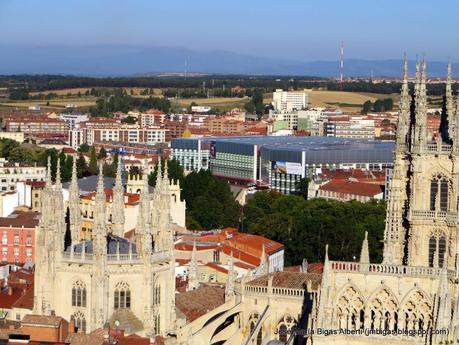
point(10, 173)
point(349, 127)
point(289, 100)
point(73, 120)
point(76, 138)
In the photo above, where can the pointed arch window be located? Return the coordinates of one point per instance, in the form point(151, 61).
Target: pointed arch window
point(285, 324)
point(437, 245)
point(79, 294)
point(439, 190)
point(80, 321)
point(122, 296)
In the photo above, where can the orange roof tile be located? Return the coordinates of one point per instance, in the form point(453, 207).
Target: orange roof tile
point(354, 188)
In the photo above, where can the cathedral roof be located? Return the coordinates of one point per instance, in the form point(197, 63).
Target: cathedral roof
point(290, 280)
point(112, 245)
point(196, 303)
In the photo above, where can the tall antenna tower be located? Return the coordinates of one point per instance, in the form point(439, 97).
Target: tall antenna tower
point(341, 65)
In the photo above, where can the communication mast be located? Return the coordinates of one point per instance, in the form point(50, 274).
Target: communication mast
point(341, 66)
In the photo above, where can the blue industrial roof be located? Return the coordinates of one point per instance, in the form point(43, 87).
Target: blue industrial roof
point(317, 149)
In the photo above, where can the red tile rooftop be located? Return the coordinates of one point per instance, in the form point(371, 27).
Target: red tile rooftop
point(354, 188)
point(20, 219)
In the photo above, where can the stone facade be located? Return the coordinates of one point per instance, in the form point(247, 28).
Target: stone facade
point(412, 297)
point(107, 279)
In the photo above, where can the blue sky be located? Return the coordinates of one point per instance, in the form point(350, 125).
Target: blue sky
point(292, 29)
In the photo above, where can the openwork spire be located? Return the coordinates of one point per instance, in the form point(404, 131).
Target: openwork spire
point(403, 123)
point(58, 175)
point(449, 103)
point(48, 173)
point(364, 253)
point(118, 203)
point(229, 289)
point(74, 205)
point(193, 282)
point(100, 183)
point(158, 174)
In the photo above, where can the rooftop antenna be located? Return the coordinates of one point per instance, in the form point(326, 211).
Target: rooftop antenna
point(341, 65)
point(186, 67)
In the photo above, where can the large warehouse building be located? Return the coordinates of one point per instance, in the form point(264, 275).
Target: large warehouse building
point(278, 162)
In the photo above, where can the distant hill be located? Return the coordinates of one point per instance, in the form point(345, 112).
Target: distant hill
point(123, 60)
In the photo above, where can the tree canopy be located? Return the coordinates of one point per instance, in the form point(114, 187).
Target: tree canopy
point(306, 226)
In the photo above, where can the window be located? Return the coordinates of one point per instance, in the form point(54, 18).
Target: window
point(439, 190)
point(122, 296)
point(437, 245)
point(80, 321)
point(79, 294)
point(29, 252)
point(216, 256)
point(157, 294)
point(29, 240)
point(5, 238)
point(16, 238)
point(158, 324)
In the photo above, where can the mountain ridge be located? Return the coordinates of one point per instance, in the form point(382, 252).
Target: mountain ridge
point(129, 60)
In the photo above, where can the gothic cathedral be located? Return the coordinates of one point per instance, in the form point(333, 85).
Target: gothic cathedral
point(413, 295)
point(108, 280)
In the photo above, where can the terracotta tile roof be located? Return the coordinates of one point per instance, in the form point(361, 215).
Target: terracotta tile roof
point(94, 338)
point(9, 296)
point(133, 339)
point(196, 303)
point(19, 219)
point(290, 280)
point(358, 174)
point(36, 184)
point(43, 320)
point(26, 300)
point(354, 188)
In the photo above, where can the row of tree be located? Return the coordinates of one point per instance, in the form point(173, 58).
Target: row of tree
point(386, 104)
point(121, 101)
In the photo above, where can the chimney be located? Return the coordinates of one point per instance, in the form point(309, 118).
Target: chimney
point(10, 290)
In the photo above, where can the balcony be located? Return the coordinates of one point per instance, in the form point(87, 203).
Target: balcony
point(433, 215)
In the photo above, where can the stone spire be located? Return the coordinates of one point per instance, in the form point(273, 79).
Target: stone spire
point(449, 104)
point(49, 183)
point(403, 124)
point(193, 282)
point(394, 232)
point(229, 289)
point(443, 300)
point(118, 204)
point(263, 268)
point(165, 182)
point(364, 253)
point(143, 231)
point(158, 175)
point(74, 205)
point(421, 110)
point(99, 231)
point(58, 185)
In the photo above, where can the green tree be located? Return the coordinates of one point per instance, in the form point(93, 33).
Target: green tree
point(302, 188)
point(306, 226)
point(84, 148)
point(82, 167)
point(93, 167)
point(102, 153)
point(66, 172)
point(367, 106)
point(378, 106)
point(388, 104)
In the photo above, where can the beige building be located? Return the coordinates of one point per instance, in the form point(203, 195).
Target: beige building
point(17, 136)
point(128, 284)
